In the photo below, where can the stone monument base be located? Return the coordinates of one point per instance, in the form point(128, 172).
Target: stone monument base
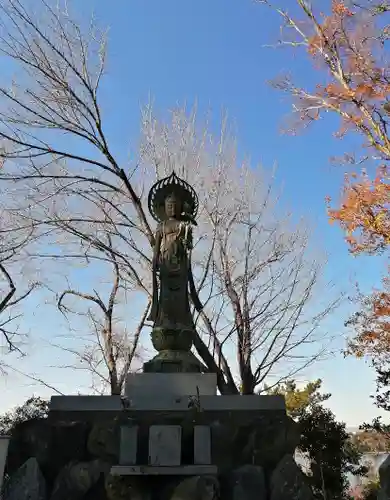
point(170, 437)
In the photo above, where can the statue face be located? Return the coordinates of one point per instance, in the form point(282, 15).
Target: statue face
point(172, 206)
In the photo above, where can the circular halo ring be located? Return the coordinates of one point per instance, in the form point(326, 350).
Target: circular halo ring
point(163, 188)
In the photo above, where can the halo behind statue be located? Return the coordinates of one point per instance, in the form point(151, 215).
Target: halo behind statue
point(172, 185)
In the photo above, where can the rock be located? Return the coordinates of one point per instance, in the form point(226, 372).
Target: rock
point(98, 490)
point(27, 483)
point(247, 483)
point(68, 443)
point(71, 439)
point(384, 477)
point(53, 445)
point(197, 488)
point(263, 441)
point(30, 438)
point(76, 479)
point(221, 439)
point(292, 436)
point(288, 482)
point(103, 442)
point(267, 444)
point(124, 488)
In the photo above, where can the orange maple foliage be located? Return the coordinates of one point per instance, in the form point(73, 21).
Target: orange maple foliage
point(372, 324)
point(349, 49)
point(339, 9)
point(364, 212)
point(349, 46)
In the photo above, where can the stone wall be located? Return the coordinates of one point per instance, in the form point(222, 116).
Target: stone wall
point(71, 460)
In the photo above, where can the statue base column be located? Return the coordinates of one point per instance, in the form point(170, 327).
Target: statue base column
point(170, 361)
point(173, 344)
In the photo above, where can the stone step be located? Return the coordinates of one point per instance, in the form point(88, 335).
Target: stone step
point(182, 470)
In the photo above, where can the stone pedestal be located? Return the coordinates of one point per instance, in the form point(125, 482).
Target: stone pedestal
point(141, 385)
point(175, 424)
point(170, 433)
point(173, 429)
point(168, 361)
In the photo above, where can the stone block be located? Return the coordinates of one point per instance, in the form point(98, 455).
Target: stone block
point(164, 445)
point(141, 385)
point(128, 445)
point(202, 445)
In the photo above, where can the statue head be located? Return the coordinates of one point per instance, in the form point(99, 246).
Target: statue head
point(173, 206)
point(170, 197)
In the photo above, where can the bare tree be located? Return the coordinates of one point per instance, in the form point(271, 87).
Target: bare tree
point(256, 276)
point(270, 282)
point(11, 247)
point(83, 207)
point(112, 348)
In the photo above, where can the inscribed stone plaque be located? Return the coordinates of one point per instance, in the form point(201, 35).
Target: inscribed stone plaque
point(128, 445)
point(202, 445)
point(165, 445)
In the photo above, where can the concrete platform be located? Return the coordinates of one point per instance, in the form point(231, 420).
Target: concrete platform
point(85, 403)
point(90, 404)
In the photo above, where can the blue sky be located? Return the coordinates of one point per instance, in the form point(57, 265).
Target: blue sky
point(212, 53)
